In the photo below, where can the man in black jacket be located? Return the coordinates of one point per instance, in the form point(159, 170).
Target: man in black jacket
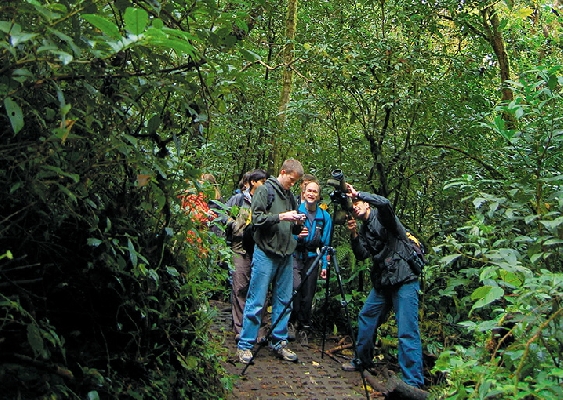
point(395, 284)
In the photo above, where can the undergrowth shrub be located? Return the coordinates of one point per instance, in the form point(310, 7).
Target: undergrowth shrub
point(506, 262)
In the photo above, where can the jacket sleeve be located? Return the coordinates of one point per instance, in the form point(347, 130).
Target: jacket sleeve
point(327, 230)
point(231, 202)
point(360, 247)
point(260, 214)
point(386, 215)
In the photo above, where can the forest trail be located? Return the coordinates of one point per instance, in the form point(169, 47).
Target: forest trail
point(312, 377)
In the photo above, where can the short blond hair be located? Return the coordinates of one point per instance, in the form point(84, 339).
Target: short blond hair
point(292, 165)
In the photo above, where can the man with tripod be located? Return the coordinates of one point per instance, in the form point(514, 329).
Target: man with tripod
point(383, 238)
point(276, 220)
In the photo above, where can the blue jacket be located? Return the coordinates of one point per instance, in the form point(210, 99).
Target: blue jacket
point(319, 234)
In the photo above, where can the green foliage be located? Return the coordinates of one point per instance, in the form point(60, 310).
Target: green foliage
point(510, 256)
point(101, 293)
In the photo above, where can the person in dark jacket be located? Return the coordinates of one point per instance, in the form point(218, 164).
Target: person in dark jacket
point(275, 220)
point(382, 238)
point(241, 256)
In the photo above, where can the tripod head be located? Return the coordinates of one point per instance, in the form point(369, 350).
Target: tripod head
point(339, 197)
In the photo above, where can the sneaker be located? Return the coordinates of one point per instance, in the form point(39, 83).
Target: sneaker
point(290, 332)
point(355, 366)
point(281, 351)
point(244, 356)
point(349, 367)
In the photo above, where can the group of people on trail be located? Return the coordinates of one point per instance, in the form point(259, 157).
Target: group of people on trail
point(287, 236)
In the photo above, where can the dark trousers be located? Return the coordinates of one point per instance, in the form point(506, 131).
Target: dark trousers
point(303, 301)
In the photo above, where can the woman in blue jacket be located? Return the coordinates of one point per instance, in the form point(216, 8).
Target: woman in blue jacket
point(314, 236)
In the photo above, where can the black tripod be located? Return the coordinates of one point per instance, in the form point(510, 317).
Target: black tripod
point(330, 251)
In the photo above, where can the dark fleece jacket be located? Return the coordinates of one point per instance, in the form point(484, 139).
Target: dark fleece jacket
point(271, 235)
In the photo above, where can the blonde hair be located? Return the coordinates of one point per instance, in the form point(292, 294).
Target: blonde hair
point(293, 165)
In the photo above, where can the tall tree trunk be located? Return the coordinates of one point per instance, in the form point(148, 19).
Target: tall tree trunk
point(287, 79)
point(493, 32)
point(491, 23)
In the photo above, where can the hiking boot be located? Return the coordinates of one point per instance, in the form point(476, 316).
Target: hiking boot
point(351, 366)
point(355, 366)
point(290, 332)
point(281, 351)
point(244, 356)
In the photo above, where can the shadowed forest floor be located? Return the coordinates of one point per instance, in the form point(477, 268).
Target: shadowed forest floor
point(312, 377)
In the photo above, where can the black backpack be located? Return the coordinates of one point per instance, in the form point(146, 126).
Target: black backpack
point(417, 261)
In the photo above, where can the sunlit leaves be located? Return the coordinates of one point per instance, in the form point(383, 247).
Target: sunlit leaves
point(17, 36)
point(141, 34)
point(485, 295)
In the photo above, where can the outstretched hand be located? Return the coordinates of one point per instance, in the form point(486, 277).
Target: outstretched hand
point(352, 226)
point(353, 193)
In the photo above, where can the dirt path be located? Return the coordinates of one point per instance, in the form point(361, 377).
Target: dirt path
point(312, 377)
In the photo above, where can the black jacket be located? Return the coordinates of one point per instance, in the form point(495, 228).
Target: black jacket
point(383, 238)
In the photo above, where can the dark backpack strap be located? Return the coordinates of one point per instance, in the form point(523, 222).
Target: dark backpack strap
point(240, 200)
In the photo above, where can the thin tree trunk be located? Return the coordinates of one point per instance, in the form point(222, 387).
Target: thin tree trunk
point(491, 23)
point(287, 79)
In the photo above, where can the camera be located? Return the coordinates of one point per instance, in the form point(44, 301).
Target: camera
point(339, 196)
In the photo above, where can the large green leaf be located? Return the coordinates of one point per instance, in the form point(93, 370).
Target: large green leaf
point(14, 113)
point(104, 25)
point(136, 20)
point(553, 224)
point(486, 295)
point(35, 340)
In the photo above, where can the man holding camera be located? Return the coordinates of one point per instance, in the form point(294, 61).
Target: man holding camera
point(383, 238)
point(276, 220)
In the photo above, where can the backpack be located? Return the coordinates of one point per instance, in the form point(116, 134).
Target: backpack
point(316, 241)
point(229, 228)
point(417, 261)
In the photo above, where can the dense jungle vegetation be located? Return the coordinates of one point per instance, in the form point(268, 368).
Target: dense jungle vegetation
point(109, 110)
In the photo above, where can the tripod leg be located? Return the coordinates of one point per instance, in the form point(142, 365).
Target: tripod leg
point(327, 295)
point(344, 305)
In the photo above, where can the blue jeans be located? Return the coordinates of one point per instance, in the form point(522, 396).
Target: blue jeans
point(266, 269)
point(404, 300)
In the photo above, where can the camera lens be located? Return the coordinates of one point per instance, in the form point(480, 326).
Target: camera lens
point(338, 174)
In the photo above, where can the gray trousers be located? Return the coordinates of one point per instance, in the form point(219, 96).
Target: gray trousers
point(241, 280)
